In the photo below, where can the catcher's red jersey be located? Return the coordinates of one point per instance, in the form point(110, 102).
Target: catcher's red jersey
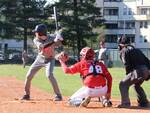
point(84, 68)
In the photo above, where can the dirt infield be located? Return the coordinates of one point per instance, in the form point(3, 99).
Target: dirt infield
point(11, 90)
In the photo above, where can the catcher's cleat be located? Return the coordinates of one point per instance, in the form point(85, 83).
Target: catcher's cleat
point(124, 105)
point(74, 102)
point(25, 97)
point(85, 102)
point(107, 103)
point(58, 98)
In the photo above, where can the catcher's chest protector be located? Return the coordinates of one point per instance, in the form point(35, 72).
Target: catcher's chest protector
point(94, 69)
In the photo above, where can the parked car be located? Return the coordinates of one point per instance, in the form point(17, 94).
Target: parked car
point(2, 56)
point(15, 57)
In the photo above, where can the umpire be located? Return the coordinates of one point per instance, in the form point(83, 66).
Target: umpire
point(137, 67)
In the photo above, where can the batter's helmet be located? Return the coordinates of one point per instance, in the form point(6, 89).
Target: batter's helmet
point(123, 40)
point(87, 53)
point(41, 28)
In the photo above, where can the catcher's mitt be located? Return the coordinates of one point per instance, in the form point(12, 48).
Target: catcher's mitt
point(63, 56)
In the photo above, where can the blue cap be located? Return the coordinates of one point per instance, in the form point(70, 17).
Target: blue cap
point(41, 28)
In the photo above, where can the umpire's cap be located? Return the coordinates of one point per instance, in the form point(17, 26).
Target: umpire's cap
point(123, 40)
point(40, 28)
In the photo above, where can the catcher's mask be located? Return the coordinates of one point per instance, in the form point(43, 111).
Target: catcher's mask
point(87, 53)
point(41, 29)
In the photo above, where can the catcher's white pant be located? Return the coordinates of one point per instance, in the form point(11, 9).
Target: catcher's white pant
point(92, 92)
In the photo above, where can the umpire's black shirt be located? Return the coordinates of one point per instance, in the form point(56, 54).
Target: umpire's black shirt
point(132, 57)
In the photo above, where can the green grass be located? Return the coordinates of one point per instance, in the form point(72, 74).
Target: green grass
point(67, 83)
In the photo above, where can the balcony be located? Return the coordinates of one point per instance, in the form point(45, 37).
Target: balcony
point(111, 17)
point(119, 31)
point(141, 17)
point(112, 4)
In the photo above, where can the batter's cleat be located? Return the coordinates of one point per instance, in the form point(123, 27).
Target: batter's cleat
point(85, 102)
point(124, 105)
point(58, 98)
point(107, 103)
point(25, 97)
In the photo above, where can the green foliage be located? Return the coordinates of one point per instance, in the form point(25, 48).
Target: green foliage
point(78, 19)
point(20, 16)
point(67, 83)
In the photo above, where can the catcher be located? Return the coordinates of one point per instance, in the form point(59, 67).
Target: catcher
point(97, 81)
point(46, 45)
point(137, 67)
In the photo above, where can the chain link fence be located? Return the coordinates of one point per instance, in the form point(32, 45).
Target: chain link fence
point(116, 58)
point(14, 56)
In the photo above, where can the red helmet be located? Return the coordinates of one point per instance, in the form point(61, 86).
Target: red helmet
point(87, 53)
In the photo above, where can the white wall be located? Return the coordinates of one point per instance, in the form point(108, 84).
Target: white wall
point(12, 43)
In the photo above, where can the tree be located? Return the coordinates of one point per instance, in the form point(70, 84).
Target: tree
point(78, 18)
point(20, 17)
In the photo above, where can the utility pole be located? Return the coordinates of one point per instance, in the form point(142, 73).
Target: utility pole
point(77, 27)
point(52, 2)
point(55, 16)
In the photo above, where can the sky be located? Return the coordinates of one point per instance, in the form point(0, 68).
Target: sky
point(50, 2)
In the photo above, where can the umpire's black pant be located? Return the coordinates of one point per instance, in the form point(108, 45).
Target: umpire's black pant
point(135, 78)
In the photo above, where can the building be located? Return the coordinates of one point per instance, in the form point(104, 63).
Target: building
point(6, 44)
point(126, 17)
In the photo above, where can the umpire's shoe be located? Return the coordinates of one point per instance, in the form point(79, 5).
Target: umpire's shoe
point(124, 105)
point(25, 97)
point(144, 104)
point(85, 102)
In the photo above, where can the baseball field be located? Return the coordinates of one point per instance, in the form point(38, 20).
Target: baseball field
point(12, 88)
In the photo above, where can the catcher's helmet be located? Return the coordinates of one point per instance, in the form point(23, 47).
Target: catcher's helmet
point(87, 53)
point(41, 28)
point(123, 40)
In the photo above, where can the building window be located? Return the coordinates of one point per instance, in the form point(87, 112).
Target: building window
point(142, 39)
point(110, 11)
point(125, 10)
point(130, 11)
point(121, 25)
point(111, 25)
point(143, 24)
point(131, 37)
point(144, 11)
point(126, 24)
point(130, 25)
point(111, 38)
point(145, 39)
